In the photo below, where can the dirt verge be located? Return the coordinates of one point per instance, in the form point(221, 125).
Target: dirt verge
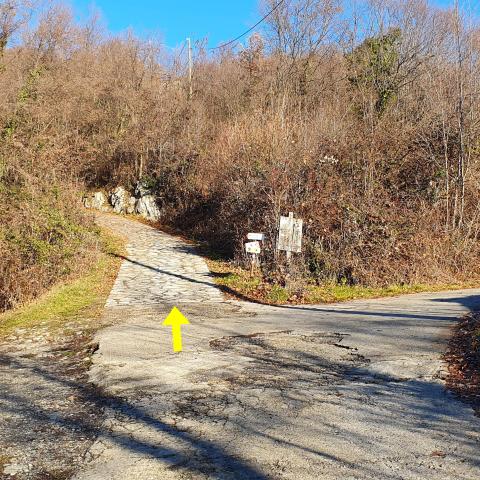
point(48, 416)
point(463, 359)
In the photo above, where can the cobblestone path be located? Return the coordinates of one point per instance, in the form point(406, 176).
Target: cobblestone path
point(158, 268)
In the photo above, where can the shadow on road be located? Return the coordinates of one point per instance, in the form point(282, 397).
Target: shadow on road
point(471, 302)
point(28, 407)
point(424, 402)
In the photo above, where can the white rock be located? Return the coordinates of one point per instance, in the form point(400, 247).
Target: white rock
point(131, 205)
point(95, 200)
point(118, 200)
point(147, 207)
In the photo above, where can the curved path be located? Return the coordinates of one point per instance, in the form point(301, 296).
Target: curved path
point(350, 391)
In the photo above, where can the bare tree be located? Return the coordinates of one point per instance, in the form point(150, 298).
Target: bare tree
point(302, 35)
point(13, 15)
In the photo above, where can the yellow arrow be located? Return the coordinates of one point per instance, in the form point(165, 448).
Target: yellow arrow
point(175, 319)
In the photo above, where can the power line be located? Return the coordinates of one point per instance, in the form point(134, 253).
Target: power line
point(182, 49)
point(251, 28)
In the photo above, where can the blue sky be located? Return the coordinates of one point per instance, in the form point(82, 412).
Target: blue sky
point(174, 20)
point(219, 20)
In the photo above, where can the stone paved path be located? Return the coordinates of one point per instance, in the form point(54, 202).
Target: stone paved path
point(158, 268)
point(350, 391)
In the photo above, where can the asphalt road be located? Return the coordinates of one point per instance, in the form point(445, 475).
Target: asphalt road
point(351, 391)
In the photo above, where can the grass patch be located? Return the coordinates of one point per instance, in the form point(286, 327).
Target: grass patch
point(239, 282)
point(277, 294)
point(339, 293)
point(80, 298)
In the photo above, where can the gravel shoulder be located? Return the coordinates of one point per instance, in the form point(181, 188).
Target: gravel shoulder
point(48, 417)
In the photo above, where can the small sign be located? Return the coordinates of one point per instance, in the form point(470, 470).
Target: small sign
point(252, 247)
point(297, 235)
point(256, 236)
point(290, 234)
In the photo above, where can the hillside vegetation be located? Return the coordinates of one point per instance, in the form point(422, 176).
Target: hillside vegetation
point(360, 118)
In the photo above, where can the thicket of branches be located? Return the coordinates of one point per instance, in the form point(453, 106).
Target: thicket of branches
point(361, 118)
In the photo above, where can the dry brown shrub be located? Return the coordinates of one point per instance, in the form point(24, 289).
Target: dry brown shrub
point(373, 141)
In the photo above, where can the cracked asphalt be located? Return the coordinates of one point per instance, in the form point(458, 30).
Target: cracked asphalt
point(351, 391)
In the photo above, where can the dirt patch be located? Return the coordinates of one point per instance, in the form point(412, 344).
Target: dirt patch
point(48, 416)
point(463, 358)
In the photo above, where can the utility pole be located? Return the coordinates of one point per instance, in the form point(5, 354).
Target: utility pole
point(190, 68)
point(459, 204)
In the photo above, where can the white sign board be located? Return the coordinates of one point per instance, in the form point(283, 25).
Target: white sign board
point(256, 236)
point(252, 247)
point(290, 234)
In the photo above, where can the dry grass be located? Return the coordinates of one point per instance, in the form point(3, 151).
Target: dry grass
point(239, 282)
point(44, 236)
point(463, 360)
point(4, 460)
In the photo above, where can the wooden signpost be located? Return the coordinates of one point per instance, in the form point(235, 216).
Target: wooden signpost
point(290, 235)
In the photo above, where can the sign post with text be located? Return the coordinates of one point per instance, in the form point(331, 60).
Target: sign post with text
point(253, 249)
point(290, 235)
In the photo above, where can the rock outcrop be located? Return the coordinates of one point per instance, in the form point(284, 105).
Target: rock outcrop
point(96, 200)
point(146, 206)
point(131, 205)
point(146, 203)
point(143, 203)
point(119, 200)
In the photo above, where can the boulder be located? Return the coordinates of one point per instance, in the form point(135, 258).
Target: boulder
point(119, 200)
point(96, 201)
point(131, 205)
point(146, 206)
